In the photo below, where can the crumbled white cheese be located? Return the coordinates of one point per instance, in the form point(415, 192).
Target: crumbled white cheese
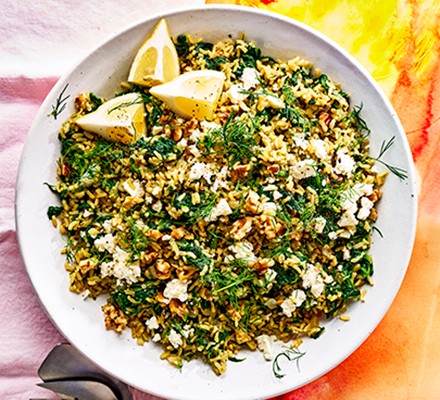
point(270, 275)
point(350, 196)
point(152, 323)
point(275, 102)
point(365, 210)
point(344, 163)
point(220, 180)
point(201, 170)
point(148, 199)
point(312, 279)
point(107, 226)
point(165, 238)
point(319, 148)
point(175, 339)
point(319, 224)
point(182, 144)
point(236, 93)
point(133, 188)
point(187, 331)
point(156, 129)
point(347, 219)
point(208, 125)
point(120, 271)
point(295, 300)
point(332, 235)
point(277, 195)
point(265, 345)
point(156, 338)
point(106, 242)
point(243, 250)
point(301, 142)
point(303, 169)
point(269, 208)
point(176, 289)
point(194, 151)
point(87, 213)
point(249, 78)
point(221, 208)
point(157, 206)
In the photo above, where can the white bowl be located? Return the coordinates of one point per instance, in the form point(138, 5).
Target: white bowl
point(81, 321)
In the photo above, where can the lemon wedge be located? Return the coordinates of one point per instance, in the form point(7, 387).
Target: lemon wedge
point(156, 61)
point(121, 119)
point(192, 94)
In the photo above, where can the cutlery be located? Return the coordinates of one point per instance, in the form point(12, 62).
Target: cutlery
point(64, 362)
point(80, 390)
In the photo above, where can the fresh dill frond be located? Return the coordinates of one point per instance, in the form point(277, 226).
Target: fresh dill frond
point(291, 355)
point(60, 103)
point(401, 173)
point(235, 141)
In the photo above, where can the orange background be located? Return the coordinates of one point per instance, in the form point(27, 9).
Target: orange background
point(399, 43)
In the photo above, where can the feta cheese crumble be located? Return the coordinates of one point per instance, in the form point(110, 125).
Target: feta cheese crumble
point(176, 289)
point(303, 169)
point(312, 279)
point(265, 345)
point(295, 300)
point(175, 338)
point(152, 323)
point(344, 163)
point(221, 208)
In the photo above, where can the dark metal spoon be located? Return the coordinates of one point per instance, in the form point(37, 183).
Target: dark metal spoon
point(64, 362)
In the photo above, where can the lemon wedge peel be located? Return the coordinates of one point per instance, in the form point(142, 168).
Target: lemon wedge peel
point(193, 94)
point(156, 61)
point(121, 119)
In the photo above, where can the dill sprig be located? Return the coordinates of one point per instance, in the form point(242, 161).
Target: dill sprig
point(60, 103)
point(401, 173)
point(235, 141)
point(291, 355)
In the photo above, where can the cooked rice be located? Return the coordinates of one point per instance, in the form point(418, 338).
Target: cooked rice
point(207, 236)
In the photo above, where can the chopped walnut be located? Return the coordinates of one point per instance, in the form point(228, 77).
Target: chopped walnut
point(176, 134)
point(270, 227)
point(376, 195)
point(241, 228)
point(261, 265)
point(253, 203)
point(179, 308)
point(154, 234)
point(240, 171)
point(86, 265)
point(185, 274)
point(324, 121)
point(178, 233)
point(131, 201)
point(273, 169)
point(114, 318)
point(148, 258)
point(82, 103)
point(163, 269)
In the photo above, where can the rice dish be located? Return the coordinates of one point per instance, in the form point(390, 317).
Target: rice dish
point(208, 237)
